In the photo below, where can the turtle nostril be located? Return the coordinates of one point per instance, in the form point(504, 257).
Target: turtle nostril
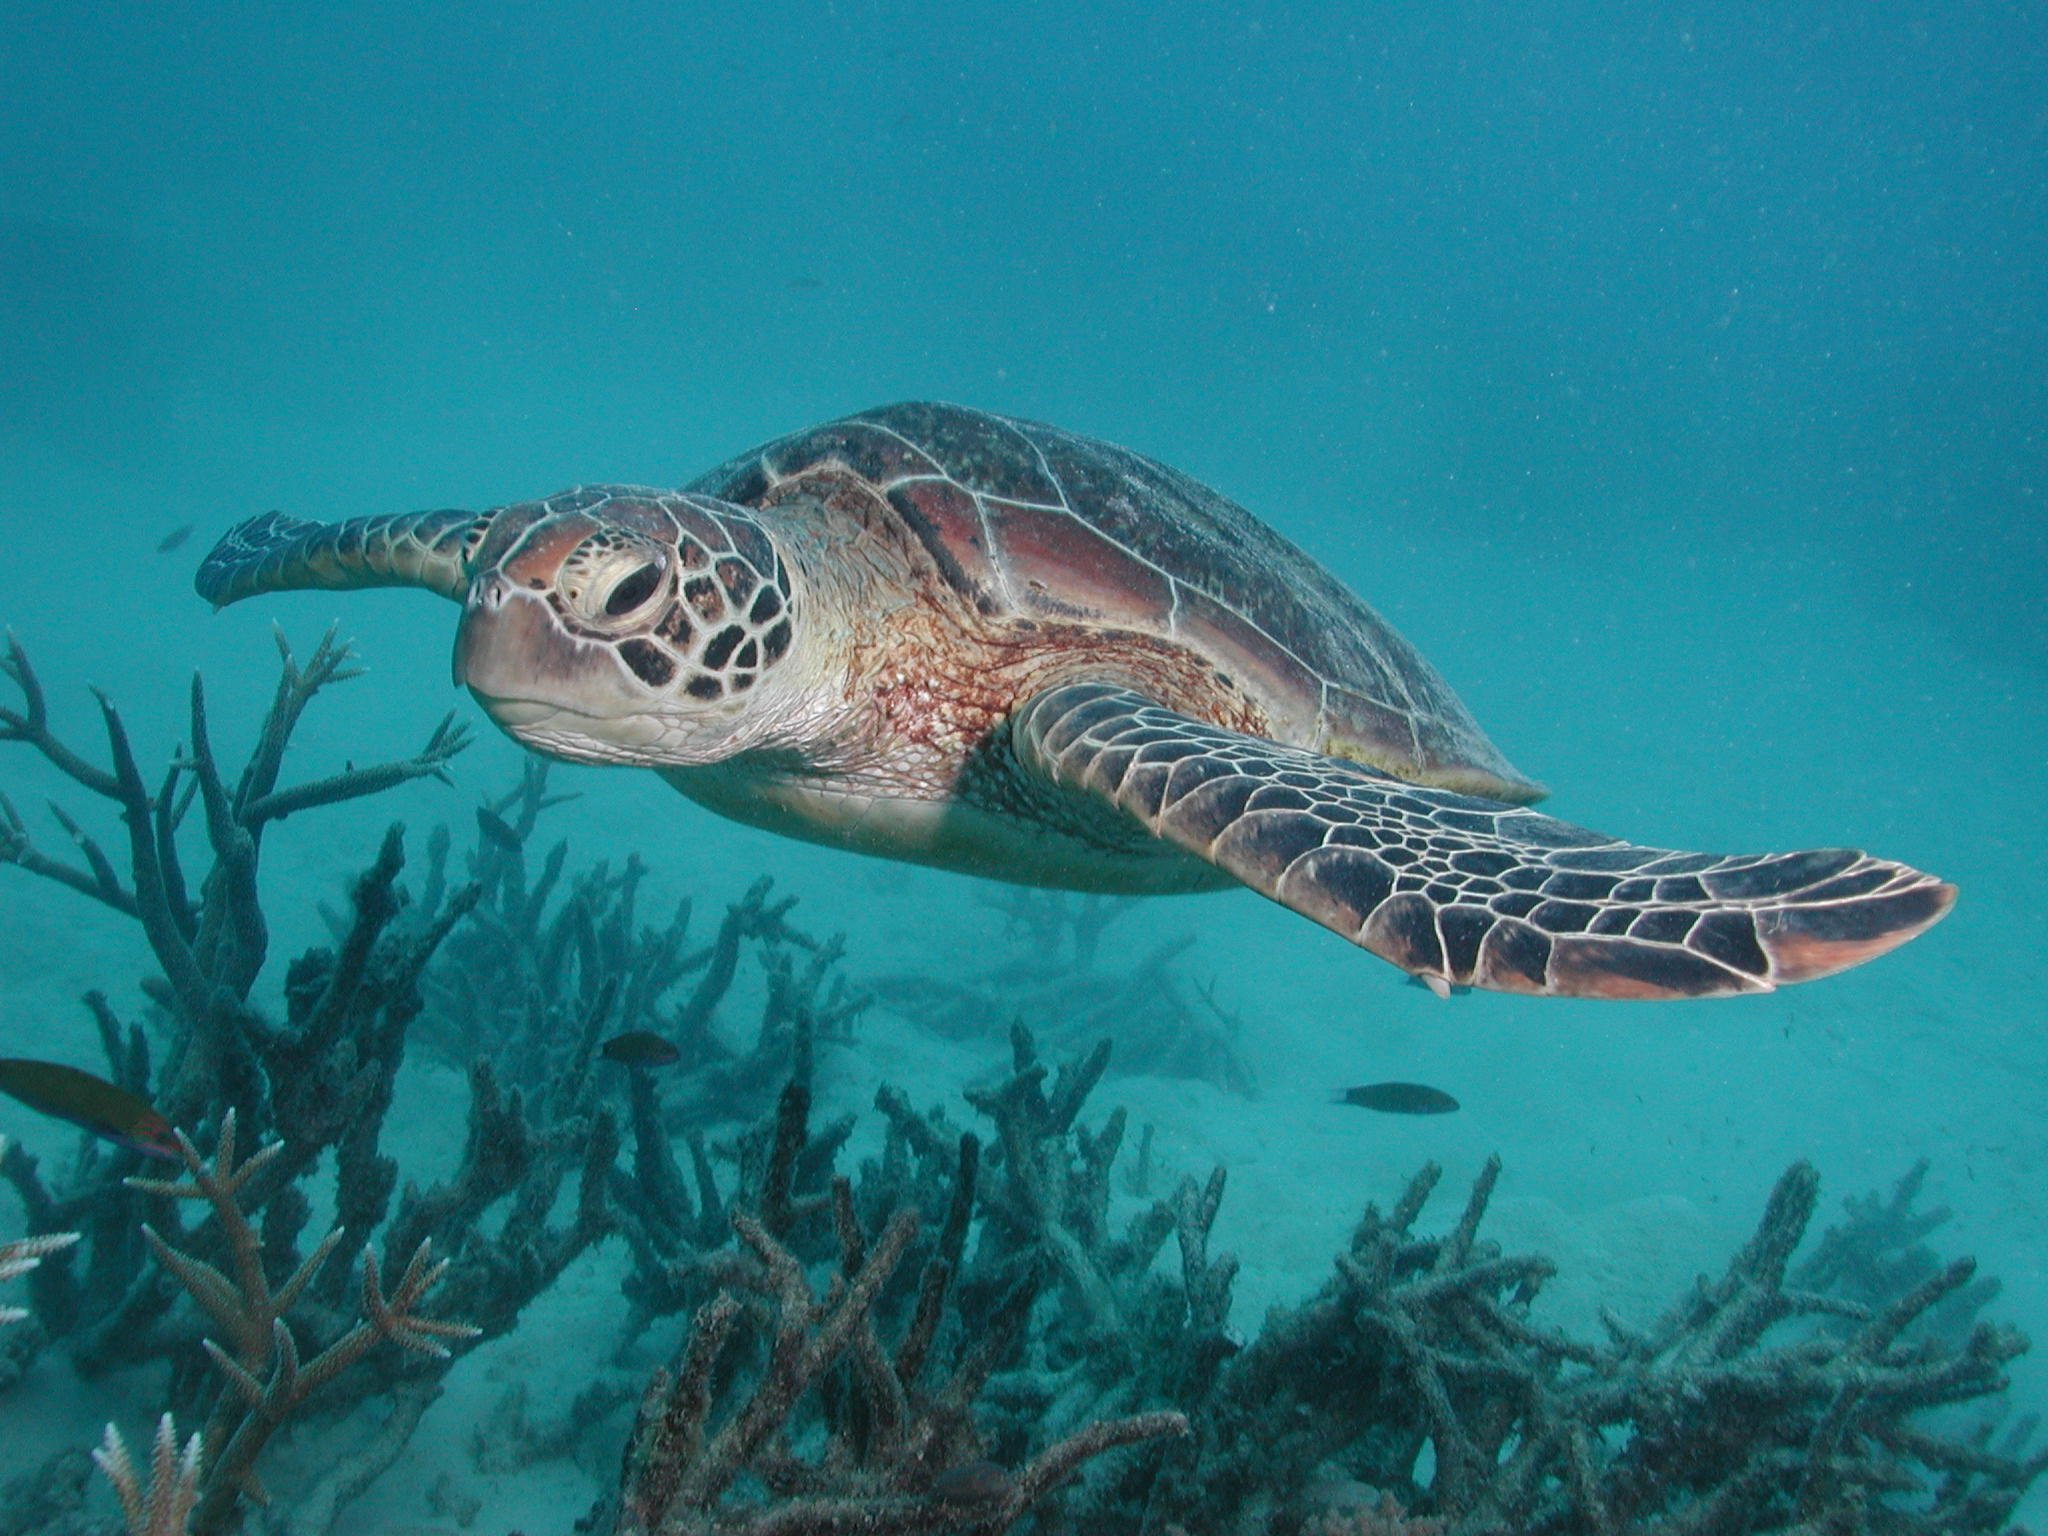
point(633, 589)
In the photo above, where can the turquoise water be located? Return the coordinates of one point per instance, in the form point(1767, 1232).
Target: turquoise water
point(1675, 383)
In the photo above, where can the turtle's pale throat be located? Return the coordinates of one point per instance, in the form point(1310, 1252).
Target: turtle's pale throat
point(572, 735)
point(513, 711)
point(512, 714)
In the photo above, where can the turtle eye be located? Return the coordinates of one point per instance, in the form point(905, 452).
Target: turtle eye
point(612, 583)
point(632, 590)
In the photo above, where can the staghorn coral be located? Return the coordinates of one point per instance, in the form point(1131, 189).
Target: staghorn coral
point(908, 1460)
point(91, 1199)
point(49, 1500)
point(1736, 1411)
point(211, 947)
point(782, 1171)
point(1733, 1413)
point(1757, 1404)
point(1020, 1327)
point(527, 984)
point(269, 1377)
point(506, 1159)
point(1049, 970)
point(1112, 1334)
point(1879, 1251)
point(1383, 1516)
point(22, 1254)
point(1053, 1196)
point(1728, 1402)
point(1112, 1331)
point(550, 960)
point(162, 1507)
point(321, 1079)
point(520, 994)
point(903, 1445)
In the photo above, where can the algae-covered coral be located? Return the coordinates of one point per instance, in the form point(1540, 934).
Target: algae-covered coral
point(972, 1327)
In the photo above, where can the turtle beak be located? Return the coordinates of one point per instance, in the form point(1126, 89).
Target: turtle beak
point(481, 637)
point(527, 670)
point(508, 645)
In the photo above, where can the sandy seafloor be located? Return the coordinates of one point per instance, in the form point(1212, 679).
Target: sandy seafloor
point(1675, 389)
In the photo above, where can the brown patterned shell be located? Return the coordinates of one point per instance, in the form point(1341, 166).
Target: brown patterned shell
point(1028, 520)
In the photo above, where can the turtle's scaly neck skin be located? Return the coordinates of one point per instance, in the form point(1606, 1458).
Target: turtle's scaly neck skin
point(895, 740)
point(907, 679)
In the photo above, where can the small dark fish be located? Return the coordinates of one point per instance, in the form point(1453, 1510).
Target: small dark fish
point(496, 829)
point(640, 1048)
point(1399, 1099)
point(804, 284)
point(174, 538)
point(971, 1483)
point(91, 1103)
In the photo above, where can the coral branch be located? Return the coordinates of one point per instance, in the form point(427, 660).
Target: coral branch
point(96, 880)
point(23, 1254)
point(262, 1361)
point(31, 724)
point(903, 1464)
point(165, 1505)
point(431, 761)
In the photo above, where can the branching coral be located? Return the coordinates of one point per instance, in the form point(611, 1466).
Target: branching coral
point(507, 1159)
point(1050, 1204)
point(851, 1369)
point(1419, 1373)
point(522, 992)
point(211, 948)
point(908, 1460)
point(549, 960)
point(1727, 1402)
point(323, 1078)
point(1048, 967)
point(261, 1357)
point(22, 1254)
point(782, 1170)
point(163, 1506)
point(1382, 1516)
point(1879, 1251)
point(1731, 1413)
point(539, 967)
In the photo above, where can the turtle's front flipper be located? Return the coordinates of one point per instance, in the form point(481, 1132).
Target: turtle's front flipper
point(1460, 891)
point(275, 553)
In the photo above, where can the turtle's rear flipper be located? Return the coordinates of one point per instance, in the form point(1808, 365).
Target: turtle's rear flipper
point(277, 553)
point(1461, 891)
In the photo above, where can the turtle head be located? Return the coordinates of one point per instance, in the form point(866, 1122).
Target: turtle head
point(625, 626)
point(606, 624)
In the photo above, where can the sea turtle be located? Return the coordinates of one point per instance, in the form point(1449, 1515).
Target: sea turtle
point(936, 634)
